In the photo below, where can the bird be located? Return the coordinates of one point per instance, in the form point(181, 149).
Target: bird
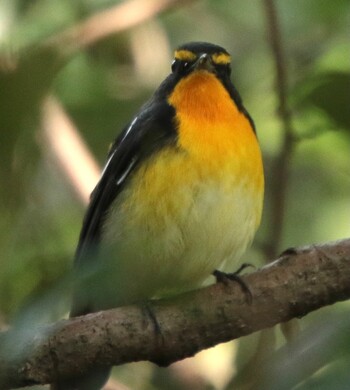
point(180, 195)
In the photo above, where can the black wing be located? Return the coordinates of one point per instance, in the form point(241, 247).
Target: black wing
point(152, 129)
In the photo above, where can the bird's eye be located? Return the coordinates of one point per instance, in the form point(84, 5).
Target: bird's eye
point(174, 65)
point(178, 65)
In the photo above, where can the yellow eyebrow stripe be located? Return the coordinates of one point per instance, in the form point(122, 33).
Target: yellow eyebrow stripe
point(185, 55)
point(221, 58)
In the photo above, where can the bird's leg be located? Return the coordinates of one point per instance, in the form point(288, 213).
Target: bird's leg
point(223, 277)
point(160, 360)
point(147, 309)
point(289, 252)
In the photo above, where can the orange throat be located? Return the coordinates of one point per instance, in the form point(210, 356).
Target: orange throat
point(212, 129)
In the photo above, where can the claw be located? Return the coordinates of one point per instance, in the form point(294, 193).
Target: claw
point(289, 252)
point(222, 277)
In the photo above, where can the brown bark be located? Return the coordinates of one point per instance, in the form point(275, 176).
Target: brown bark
point(292, 286)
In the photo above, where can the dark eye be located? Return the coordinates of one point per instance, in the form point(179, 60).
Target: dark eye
point(174, 65)
point(185, 65)
point(179, 66)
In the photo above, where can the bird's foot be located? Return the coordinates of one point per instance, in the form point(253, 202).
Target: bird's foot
point(225, 278)
point(147, 308)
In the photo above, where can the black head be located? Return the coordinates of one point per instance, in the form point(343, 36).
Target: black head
point(201, 56)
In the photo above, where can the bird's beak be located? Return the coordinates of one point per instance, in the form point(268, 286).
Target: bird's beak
point(204, 62)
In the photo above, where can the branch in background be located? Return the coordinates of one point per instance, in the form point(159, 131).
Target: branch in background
point(292, 286)
point(63, 143)
point(112, 21)
point(280, 169)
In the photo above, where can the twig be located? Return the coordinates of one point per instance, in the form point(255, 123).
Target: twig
point(210, 316)
point(280, 169)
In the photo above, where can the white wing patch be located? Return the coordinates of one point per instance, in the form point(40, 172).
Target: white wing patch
point(129, 128)
point(107, 163)
point(126, 172)
point(112, 155)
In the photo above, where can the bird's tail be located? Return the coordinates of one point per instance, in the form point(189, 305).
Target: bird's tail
point(94, 380)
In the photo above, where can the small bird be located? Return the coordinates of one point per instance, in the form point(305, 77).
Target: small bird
point(180, 195)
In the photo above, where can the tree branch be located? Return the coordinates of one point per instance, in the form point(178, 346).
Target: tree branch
point(292, 286)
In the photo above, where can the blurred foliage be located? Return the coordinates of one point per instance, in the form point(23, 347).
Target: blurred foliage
point(330, 93)
point(102, 86)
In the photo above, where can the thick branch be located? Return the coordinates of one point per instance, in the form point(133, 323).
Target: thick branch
point(294, 285)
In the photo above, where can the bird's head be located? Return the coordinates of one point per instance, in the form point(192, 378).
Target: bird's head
point(201, 57)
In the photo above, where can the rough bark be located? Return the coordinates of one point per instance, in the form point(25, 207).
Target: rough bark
point(297, 283)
